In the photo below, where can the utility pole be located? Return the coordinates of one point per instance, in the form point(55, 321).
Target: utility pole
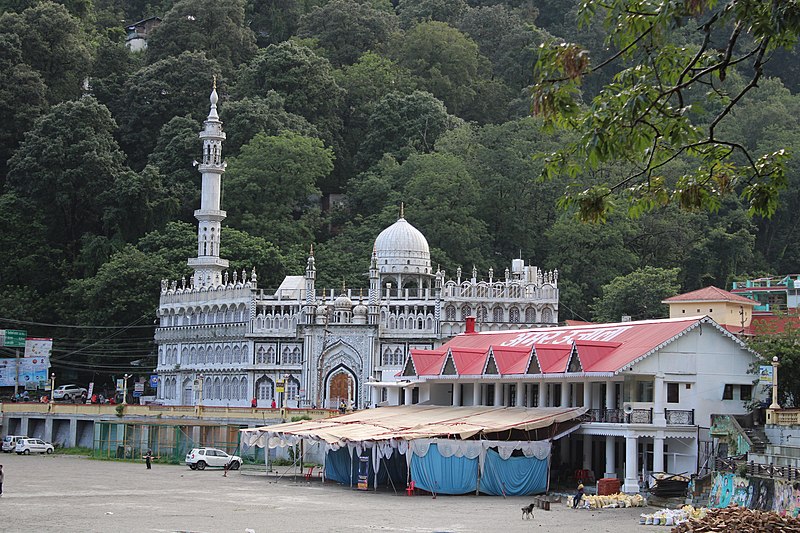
point(125, 389)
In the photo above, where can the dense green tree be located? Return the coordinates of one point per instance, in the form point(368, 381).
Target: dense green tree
point(301, 77)
point(499, 157)
point(141, 204)
point(306, 82)
point(112, 66)
point(442, 200)
point(248, 116)
point(23, 236)
point(54, 45)
point(274, 21)
point(66, 168)
point(655, 109)
point(587, 257)
point(22, 97)
point(365, 83)
point(447, 62)
point(178, 240)
point(403, 124)
point(504, 37)
point(126, 284)
point(638, 295)
point(215, 27)
point(269, 184)
point(785, 345)
point(347, 28)
point(156, 93)
point(415, 11)
point(177, 147)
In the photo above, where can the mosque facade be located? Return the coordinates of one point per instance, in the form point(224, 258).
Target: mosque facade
point(224, 341)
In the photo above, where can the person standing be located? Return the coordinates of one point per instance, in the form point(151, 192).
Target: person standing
point(148, 458)
point(253, 403)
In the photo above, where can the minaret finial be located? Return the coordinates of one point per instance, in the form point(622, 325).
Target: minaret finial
point(343, 286)
point(214, 82)
point(311, 251)
point(402, 210)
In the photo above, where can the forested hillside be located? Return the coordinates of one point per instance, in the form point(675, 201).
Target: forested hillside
point(425, 102)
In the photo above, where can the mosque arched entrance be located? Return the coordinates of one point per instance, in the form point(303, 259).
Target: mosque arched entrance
point(342, 385)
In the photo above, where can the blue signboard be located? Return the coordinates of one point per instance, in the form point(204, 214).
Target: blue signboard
point(154, 381)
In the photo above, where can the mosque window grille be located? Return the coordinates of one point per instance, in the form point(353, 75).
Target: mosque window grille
point(498, 314)
point(530, 315)
point(292, 389)
point(513, 315)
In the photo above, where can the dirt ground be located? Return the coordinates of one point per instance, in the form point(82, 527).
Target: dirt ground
point(66, 494)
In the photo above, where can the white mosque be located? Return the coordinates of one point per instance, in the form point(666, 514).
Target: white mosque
point(223, 341)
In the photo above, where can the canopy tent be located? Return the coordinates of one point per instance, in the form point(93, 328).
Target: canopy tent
point(447, 450)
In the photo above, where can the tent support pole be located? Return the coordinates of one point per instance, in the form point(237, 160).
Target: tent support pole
point(478, 479)
point(374, 456)
point(351, 467)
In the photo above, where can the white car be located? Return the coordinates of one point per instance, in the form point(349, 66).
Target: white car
point(200, 458)
point(27, 446)
point(68, 392)
point(10, 442)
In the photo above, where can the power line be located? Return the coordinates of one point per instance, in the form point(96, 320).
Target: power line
point(74, 326)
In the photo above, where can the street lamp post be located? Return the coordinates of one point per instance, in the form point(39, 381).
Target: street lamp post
point(125, 389)
point(52, 385)
point(775, 365)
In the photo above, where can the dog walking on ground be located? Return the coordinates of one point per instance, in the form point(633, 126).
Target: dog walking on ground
point(528, 511)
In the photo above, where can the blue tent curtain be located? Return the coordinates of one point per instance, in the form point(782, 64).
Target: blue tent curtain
point(516, 476)
point(337, 468)
point(444, 475)
point(337, 465)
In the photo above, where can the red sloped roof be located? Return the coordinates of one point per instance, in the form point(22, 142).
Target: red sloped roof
point(592, 353)
point(428, 362)
point(601, 347)
point(511, 360)
point(710, 294)
point(553, 357)
point(469, 361)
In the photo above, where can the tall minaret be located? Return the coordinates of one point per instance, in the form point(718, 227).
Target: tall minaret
point(311, 294)
point(207, 265)
point(374, 288)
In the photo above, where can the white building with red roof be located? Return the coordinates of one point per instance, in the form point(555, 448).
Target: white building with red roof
point(650, 386)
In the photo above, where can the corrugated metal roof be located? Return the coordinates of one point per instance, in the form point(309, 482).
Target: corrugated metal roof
point(600, 347)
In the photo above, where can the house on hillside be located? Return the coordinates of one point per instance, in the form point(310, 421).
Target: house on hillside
point(778, 301)
point(732, 311)
point(650, 387)
point(136, 39)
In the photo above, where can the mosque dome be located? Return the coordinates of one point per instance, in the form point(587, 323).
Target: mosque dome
point(360, 309)
point(402, 248)
point(343, 302)
point(322, 309)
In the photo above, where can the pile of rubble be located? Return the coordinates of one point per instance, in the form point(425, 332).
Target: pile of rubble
point(741, 520)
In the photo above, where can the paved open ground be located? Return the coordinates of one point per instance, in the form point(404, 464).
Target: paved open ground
point(65, 494)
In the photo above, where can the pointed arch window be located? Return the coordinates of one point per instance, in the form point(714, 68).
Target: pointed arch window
point(497, 314)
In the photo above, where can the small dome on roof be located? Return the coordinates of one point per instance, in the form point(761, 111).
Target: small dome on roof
point(403, 247)
point(343, 302)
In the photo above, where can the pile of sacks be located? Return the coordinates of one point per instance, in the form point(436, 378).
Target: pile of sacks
point(612, 500)
point(672, 517)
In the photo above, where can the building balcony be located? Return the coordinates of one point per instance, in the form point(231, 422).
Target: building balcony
point(674, 417)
